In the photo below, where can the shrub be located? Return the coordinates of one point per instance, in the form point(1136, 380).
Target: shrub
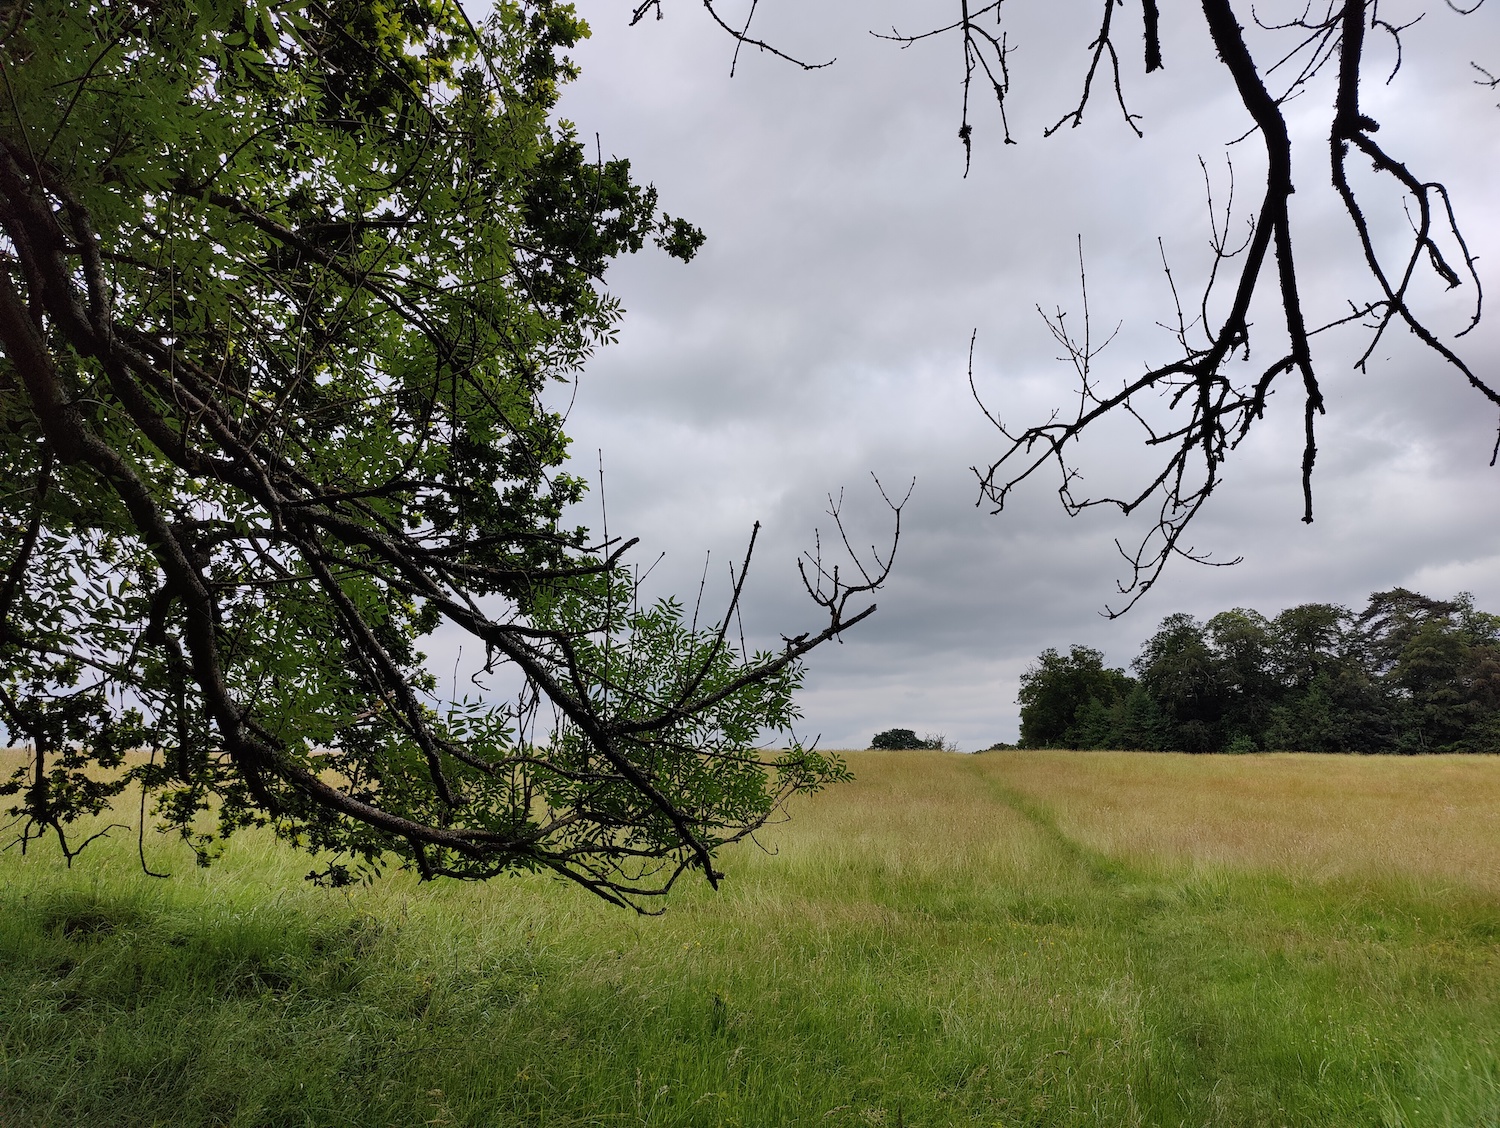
point(897, 739)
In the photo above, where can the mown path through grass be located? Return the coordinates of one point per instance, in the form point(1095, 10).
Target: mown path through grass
point(1245, 980)
point(949, 940)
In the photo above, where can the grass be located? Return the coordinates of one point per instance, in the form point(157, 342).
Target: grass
point(1007, 939)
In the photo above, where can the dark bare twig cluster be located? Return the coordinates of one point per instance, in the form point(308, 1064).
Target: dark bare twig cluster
point(828, 584)
point(741, 34)
point(987, 48)
point(1488, 80)
point(1219, 410)
point(1321, 50)
point(986, 51)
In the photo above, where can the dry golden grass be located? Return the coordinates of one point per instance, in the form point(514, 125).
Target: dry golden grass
point(1426, 819)
point(1060, 940)
point(916, 812)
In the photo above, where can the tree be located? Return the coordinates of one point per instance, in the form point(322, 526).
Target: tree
point(1196, 406)
point(901, 739)
point(283, 288)
point(1244, 641)
point(1409, 675)
point(1328, 699)
point(1307, 640)
point(1177, 666)
point(1434, 657)
point(1063, 697)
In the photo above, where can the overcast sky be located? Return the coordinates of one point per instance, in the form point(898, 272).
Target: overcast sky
point(822, 335)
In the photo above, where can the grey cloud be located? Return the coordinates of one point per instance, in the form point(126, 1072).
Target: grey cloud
point(823, 334)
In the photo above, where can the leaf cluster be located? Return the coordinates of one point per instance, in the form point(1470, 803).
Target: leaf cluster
point(284, 285)
point(900, 739)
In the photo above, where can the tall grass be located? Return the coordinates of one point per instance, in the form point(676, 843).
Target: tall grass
point(1008, 939)
point(1433, 820)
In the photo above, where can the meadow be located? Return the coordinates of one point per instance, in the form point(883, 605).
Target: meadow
point(1016, 938)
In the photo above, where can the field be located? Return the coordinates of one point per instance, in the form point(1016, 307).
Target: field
point(1007, 939)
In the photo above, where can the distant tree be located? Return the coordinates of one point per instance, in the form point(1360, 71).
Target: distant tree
point(1143, 724)
point(1307, 640)
point(1410, 674)
point(1327, 700)
point(1483, 685)
point(1178, 668)
point(1339, 710)
point(1244, 643)
point(1434, 656)
point(901, 739)
point(1055, 695)
point(1392, 620)
point(1095, 725)
point(282, 291)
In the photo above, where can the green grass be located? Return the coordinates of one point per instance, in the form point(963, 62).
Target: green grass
point(949, 940)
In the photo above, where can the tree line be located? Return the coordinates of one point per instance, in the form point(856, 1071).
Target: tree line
point(1408, 674)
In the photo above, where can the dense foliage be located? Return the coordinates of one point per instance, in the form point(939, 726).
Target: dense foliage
point(901, 739)
point(1408, 674)
point(1290, 86)
point(283, 286)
